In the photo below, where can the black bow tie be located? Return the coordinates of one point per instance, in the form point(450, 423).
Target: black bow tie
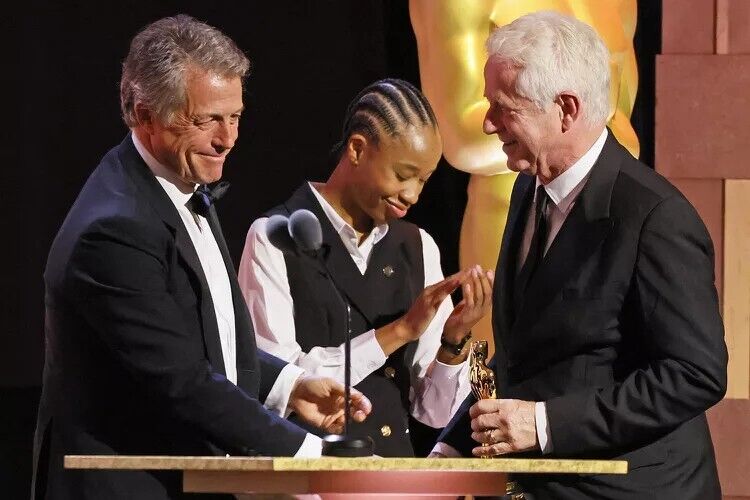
point(204, 197)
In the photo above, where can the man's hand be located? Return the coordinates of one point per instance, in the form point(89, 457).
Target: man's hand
point(505, 425)
point(320, 401)
point(477, 299)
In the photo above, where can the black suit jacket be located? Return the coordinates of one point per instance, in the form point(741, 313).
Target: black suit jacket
point(133, 359)
point(619, 333)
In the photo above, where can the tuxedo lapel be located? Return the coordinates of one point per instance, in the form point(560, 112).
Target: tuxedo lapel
point(149, 187)
point(244, 333)
point(208, 314)
point(583, 231)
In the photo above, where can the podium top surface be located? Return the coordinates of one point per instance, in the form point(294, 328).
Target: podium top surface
point(513, 465)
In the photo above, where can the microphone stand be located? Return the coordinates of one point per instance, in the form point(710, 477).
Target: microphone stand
point(345, 445)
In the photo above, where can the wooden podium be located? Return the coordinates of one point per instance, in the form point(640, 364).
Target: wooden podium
point(343, 477)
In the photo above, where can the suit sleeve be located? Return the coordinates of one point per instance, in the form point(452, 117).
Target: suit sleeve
point(119, 281)
point(684, 358)
point(270, 369)
point(458, 431)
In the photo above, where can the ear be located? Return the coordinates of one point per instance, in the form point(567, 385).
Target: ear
point(355, 148)
point(570, 109)
point(144, 117)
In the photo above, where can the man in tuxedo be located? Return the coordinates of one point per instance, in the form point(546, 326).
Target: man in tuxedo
point(149, 345)
point(609, 342)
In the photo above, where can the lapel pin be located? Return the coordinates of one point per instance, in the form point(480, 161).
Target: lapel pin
point(388, 271)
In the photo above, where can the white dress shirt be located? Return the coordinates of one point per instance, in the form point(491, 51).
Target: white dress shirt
point(220, 289)
point(437, 389)
point(562, 192)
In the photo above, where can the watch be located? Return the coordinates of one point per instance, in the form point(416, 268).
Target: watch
point(454, 349)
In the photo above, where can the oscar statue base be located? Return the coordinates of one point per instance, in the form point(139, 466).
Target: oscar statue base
point(335, 445)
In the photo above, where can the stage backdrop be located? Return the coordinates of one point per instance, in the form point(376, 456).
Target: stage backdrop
point(309, 58)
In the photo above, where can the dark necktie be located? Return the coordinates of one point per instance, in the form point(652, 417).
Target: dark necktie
point(204, 197)
point(536, 249)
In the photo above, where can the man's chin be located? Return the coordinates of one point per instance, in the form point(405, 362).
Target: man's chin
point(209, 176)
point(522, 167)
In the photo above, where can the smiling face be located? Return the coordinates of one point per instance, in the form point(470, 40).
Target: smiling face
point(197, 141)
point(530, 136)
point(388, 177)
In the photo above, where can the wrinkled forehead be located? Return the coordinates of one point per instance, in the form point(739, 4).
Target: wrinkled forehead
point(500, 75)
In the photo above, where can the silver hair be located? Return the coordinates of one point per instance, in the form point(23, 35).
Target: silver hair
point(556, 53)
point(155, 70)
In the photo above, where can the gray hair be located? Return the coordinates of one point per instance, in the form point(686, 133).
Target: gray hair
point(154, 71)
point(555, 53)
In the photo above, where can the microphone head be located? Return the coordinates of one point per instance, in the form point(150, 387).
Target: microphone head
point(305, 230)
point(277, 231)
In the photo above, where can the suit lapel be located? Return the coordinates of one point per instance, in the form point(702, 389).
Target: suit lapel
point(581, 234)
point(163, 206)
point(521, 198)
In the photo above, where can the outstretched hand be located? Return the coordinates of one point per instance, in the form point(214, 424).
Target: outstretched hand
point(477, 299)
point(319, 401)
point(418, 317)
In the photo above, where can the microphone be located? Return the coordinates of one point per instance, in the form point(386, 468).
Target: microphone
point(305, 230)
point(277, 231)
point(302, 232)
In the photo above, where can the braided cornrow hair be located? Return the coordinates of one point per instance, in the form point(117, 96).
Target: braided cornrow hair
point(385, 107)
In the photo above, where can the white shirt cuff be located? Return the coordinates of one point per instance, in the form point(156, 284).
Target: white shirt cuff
point(444, 371)
point(367, 355)
point(542, 427)
point(312, 447)
point(278, 398)
point(442, 390)
point(446, 450)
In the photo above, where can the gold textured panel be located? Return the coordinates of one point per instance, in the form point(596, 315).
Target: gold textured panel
point(347, 464)
point(737, 285)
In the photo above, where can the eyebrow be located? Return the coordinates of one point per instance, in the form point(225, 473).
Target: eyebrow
point(409, 166)
point(212, 114)
point(415, 169)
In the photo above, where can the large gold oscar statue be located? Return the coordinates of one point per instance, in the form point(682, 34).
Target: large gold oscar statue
point(450, 39)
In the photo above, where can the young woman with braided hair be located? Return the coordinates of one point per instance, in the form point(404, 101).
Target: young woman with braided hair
point(409, 343)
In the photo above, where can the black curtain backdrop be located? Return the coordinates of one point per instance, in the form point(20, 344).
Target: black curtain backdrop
point(309, 58)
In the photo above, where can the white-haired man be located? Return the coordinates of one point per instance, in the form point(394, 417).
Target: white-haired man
point(609, 342)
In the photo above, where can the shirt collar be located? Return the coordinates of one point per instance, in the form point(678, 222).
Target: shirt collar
point(565, 187)
point(167, 178)
point(340, 225)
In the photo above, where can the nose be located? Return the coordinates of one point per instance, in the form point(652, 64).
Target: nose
point(410, 194)
point(226, 135)
point(492, 121)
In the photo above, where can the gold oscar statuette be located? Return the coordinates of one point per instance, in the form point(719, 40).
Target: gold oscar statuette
point(481, 378)
point(484, 386)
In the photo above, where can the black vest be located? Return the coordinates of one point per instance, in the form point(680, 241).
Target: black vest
point(394, 278)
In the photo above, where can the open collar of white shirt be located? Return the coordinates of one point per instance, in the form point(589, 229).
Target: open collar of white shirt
point(564, 189)
point(359, 251)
